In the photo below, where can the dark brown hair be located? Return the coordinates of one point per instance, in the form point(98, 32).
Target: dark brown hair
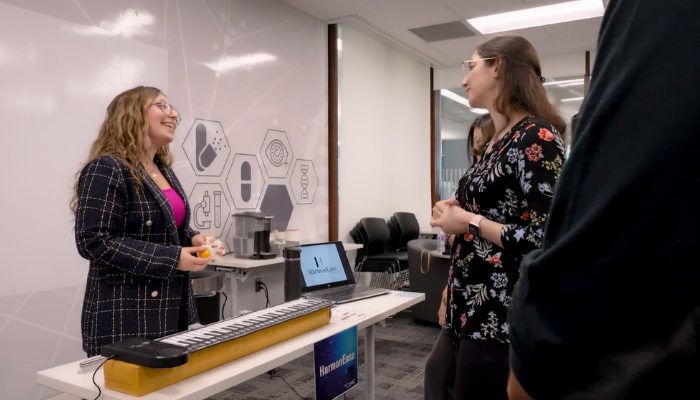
point(485, 123)
point(520, 79)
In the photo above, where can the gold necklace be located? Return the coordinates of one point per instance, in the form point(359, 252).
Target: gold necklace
point(153, 174)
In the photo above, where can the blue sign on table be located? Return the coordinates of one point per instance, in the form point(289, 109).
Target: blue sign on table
point(335, 362)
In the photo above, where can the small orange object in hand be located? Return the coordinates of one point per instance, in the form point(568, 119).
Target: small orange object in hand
point(204, 253)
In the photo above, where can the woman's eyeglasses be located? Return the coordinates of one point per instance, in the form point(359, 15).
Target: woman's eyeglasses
point(168, 110)
point(469, 65)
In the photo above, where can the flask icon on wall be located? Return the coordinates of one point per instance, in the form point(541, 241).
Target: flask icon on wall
point(217, 209)
point(210, 208)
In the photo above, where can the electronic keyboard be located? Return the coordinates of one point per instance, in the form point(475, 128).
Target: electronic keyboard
point(142, 366)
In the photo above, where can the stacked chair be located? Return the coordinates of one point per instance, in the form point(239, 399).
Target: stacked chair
point(384, 248)
point(408, 228)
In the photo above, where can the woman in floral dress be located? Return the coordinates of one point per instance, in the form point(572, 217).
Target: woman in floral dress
point(499, 210)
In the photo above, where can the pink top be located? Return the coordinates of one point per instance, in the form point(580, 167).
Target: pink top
point(176, 204)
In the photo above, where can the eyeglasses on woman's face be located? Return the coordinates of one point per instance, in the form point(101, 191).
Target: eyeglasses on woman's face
point(168, 110)
point(468, 65)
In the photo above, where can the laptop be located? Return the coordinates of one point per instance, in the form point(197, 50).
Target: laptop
point(326, 274)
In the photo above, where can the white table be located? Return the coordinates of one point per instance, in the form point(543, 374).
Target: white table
point(429, 231)
point(237, 271)
point(65, 378)
point(231, 261)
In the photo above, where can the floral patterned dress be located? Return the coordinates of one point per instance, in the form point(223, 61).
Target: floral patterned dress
point(512, 185)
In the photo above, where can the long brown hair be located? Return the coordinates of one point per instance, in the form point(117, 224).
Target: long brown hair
point(520, 79)
point(485, 123)
point(124, 134)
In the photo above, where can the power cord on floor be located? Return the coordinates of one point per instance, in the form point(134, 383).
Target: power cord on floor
point(99, 391)
point(290, 386)
point(267, 295)
point(224, 306)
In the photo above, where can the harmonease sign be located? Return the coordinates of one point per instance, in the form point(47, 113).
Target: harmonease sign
point(335, 361)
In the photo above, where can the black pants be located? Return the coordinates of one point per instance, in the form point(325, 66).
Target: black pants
point(440, 368)
point(477, 370)
point(482, 370)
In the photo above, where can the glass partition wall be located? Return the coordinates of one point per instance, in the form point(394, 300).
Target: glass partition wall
point(454, 156)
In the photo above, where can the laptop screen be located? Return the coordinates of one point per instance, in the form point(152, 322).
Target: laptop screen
point(324, 265)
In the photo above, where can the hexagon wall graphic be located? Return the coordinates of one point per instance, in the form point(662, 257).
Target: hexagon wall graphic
point(210, 208)
point(207, 147)
point(304, 181)
point(245, 181)
point(276, 153)
point(277, 202)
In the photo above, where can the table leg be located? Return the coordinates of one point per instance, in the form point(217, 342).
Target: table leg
point(231, 290)
point(369, 361)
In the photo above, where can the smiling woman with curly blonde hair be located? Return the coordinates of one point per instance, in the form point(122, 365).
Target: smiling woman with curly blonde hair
point(132, 224)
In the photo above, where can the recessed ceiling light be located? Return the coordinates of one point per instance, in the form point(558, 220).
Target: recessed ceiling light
point(570, 84)
point(459, 99)
point(565, 82)
point(538, 16)
point(572, 99)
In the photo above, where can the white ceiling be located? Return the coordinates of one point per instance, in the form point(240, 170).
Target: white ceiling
point(561, 46)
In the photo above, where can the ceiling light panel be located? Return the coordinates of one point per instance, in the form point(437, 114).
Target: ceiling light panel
point(538, 16)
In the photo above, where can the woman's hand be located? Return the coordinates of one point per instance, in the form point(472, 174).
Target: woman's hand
point(443, 308)
point(201, 239)
point(451, 239)
point(439, 207)
point(454, 219)
point(515, 390)
point(189, 260)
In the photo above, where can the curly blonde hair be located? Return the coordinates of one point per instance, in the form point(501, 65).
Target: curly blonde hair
point(124, 134)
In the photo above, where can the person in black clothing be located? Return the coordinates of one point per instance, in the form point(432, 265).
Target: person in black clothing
point(499, 210)
point(607, 309)
point(440, 367)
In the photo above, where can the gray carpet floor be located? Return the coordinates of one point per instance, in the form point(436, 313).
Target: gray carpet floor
point(401, 349)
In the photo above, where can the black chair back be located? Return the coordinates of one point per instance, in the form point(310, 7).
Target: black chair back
point(408, 227)
point(377, 235)
point(395, 232)
point(357, 237)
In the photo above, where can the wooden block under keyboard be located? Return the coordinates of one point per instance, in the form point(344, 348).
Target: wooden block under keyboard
point(137, 381)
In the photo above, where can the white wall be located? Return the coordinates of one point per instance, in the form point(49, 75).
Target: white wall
point(384, 131)
point(254, 71)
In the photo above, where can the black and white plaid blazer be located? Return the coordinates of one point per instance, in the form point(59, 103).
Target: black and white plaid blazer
point(133, 245)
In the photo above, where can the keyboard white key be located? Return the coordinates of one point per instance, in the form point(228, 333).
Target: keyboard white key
point(234, 328)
